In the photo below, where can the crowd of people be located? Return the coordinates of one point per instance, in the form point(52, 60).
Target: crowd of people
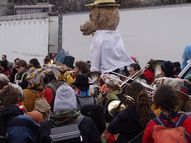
point(36, 101)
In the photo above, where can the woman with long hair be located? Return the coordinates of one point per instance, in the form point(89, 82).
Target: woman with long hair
point(132, 120)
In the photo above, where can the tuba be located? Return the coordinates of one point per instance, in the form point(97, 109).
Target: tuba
point(117, 106)
point(156, 66)
point(94, 76)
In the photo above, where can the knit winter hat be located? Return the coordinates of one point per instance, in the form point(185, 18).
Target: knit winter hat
point(65, 99)
point(168, 68)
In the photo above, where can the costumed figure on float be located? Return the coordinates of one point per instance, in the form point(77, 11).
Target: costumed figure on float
point(107, 51)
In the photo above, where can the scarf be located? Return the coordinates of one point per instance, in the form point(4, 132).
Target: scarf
point(83, 93)
point(65, 117)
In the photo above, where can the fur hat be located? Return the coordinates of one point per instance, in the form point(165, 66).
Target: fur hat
point(168, 68)
point(82, 82)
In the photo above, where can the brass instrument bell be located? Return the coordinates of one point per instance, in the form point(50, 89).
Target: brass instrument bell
point(94, 76)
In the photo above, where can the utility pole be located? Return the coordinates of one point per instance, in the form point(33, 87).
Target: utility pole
point(60, 21)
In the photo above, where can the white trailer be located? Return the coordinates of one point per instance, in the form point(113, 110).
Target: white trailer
point(28, 36)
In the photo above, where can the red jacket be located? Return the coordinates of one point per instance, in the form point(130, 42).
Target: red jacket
point(149, 75)
point(147, 137)
point(49, 95)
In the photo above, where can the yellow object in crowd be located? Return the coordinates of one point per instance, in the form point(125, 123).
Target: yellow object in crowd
point(155, 109)
point(66, 76)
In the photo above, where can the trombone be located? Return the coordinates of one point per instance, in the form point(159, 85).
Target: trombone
point(133, 77)
point(116, 105)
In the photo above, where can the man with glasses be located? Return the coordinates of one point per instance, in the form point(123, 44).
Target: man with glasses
point(20, 77)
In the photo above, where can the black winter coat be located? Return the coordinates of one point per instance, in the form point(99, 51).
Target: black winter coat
point(96, 113)
point(126, 123)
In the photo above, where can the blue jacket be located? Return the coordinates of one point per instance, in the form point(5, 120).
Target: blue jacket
point(19, 127)
point(22, 129)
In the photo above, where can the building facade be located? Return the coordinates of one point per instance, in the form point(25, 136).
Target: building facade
point(11, 7)
point(4, 7)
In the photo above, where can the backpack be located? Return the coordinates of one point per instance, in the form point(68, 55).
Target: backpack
point(81, 100)
point(54, 86)
point(177, 134)
point(67, 134)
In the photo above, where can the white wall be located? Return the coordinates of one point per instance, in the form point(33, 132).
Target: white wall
point(72, 38)
point(158, 33)
point(24, 39)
